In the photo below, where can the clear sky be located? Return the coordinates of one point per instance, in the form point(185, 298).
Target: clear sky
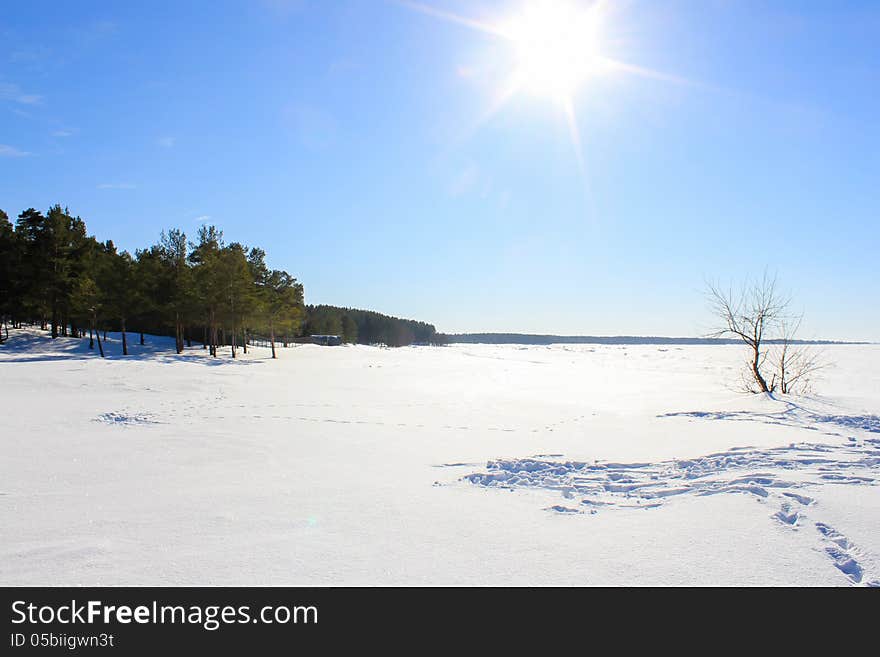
point(363, 144)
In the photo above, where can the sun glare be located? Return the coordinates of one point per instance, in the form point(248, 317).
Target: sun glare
point(557, 47)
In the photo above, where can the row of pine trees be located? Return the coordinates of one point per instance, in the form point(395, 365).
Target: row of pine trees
point(54, 274)
point(369, 327)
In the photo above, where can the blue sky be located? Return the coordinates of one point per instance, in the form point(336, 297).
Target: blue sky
point(345, 138)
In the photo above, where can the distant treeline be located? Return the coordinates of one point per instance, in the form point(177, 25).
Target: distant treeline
point(54, 274)
point(368, 327)
point(524, 338)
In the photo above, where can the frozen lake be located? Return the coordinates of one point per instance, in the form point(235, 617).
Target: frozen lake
point(467, 464)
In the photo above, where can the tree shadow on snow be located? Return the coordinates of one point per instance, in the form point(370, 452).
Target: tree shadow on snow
point(792, 415)
point(33, 347)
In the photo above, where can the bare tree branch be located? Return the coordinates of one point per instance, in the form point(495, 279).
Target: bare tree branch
point(750, 314)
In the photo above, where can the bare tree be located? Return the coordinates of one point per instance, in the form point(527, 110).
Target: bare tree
point(794, 363)
point(758, 315)
point(752, 314)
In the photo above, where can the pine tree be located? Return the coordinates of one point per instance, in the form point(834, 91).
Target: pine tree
point(207, 273)
point(32, 231)
point(9, 273)
point(116, 282)
point(181, 295)
point(282, 304)
point(236, 283)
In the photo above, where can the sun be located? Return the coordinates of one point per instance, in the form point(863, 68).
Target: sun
point(553, 49)
point(557, 47)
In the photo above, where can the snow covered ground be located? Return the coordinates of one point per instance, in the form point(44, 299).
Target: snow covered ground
point(468, 464)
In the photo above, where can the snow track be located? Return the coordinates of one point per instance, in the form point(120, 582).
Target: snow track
point(770, 476)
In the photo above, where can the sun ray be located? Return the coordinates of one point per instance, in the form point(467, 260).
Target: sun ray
point(574, 133)
point(451, 17)
point(623, 67)
point(557, 50)
point(500, 98)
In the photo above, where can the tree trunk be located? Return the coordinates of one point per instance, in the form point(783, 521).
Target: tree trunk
point(272, 339)
point(178, 334)
point(91, 339)
point(124, 341)
point(244, 339)
point(54, 318)
point(757, 372)
point(783, 384)
point(98, 335)
point(233, 338)
point(142, 338)
point(213, 336)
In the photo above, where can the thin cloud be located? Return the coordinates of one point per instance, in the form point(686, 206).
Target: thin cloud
point(94, 32)
point(31, 57)
point(202, 218)
point(62, 133)
point(103, 27)
point(14, 93)
point(11, 151)
point(116, 186)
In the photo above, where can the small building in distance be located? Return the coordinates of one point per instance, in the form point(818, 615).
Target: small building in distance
point(326, 340)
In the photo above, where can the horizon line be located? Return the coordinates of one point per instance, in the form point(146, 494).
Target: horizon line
point(548, 338)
